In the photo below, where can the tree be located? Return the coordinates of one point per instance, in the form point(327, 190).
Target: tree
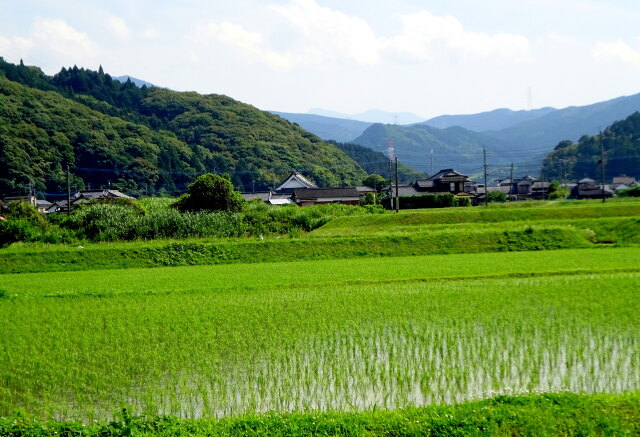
point(210, 192)
point(375, 181)
point(497, 196)
point(556, 191)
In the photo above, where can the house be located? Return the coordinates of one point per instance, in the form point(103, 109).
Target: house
point(43, 206)
point(82, 197)
point(294, 181)
point(88, 196)
point(363, 190)
point(270, 197)
point(318, 196)
point(587, 188)
point(525, 188)
point(446, 181)
point(629, 181)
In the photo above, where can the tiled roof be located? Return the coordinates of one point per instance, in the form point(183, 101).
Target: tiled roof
point(324, 193)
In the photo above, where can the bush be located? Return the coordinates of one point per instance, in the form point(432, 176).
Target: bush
point(13, 231)
point(629, 192)
point(210, 192)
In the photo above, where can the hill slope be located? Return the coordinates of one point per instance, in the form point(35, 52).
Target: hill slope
point(453, 147)
point(327, 128)
point(378, 163)
point(621, 143)
point(214, 133)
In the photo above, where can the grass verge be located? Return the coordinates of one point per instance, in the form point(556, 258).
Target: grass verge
point(547, 414)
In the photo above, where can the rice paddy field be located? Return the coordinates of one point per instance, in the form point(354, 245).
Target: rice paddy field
point(335, 337)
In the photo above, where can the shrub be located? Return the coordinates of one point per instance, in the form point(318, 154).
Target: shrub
point(210, 192)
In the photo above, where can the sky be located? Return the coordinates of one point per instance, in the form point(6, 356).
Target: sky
point(429, 57)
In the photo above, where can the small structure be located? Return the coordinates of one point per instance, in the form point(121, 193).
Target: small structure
point(587, 188)
point(525, 188)
point(317, 196)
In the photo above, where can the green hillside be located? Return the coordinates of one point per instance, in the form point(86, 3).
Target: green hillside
point(453, 147)
point(621, 143)
point(378, 163)
point(41, 133)
point(75, 123)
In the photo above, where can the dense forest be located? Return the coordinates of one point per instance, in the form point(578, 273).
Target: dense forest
point(621, 145)
point(378, 163)
point(146, 140)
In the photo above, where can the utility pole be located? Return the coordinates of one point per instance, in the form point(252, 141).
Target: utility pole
point(397, 189)
point(431, 168)
point(602, 164)
point(68, 191)
point(511, 182)
point(486, 188)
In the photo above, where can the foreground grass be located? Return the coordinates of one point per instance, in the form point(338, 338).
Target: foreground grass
point(549, 414)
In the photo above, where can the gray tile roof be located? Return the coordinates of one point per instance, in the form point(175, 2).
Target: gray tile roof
point(325, 193)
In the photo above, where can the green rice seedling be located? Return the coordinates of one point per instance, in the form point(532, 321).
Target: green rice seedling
point(221, 351)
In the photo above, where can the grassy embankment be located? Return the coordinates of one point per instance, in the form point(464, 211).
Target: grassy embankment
point(461, 230)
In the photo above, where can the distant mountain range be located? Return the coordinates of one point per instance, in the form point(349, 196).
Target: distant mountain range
point(457, 141)
point(138, 82)
point(371, 116)
point(328, 128)
point(492, 120)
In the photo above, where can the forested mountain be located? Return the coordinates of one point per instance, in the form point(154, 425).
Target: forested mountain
point(485, 121)
point(378, 163)
point(327, 128)
point(41, 133)
point(575, 160)
point(453, 147)
point(147, 139)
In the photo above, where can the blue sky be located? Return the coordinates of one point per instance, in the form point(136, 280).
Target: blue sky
point(427, 57)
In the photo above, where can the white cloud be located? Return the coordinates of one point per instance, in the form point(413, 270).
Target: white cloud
point(616, 51)
point(52, 43)
point(425, 36)
point(56, 35)
point(150, 33)
point(250, 43)
point(331, 34)
point(118, 27)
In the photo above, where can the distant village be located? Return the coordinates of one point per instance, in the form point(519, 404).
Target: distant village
point(298, 190)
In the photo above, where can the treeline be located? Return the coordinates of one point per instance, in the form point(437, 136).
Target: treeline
point(146, 140)
point(621, 145)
